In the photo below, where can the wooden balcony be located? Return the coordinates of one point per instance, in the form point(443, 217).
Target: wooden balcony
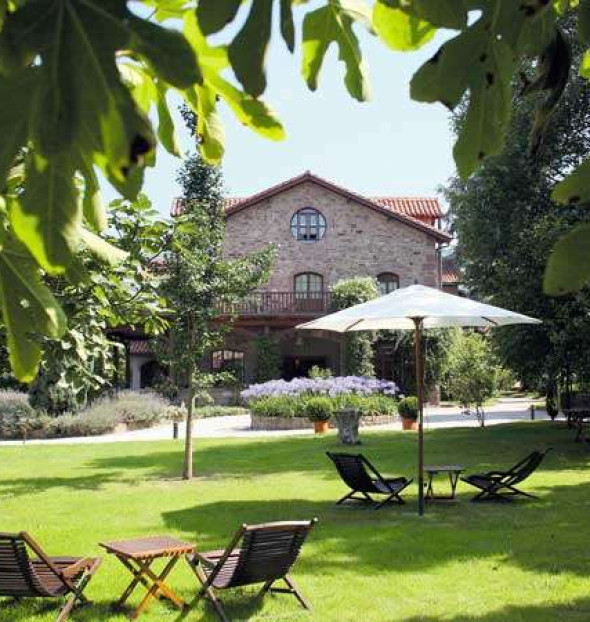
point(273, 304)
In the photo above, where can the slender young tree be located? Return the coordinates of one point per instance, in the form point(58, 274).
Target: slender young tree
point(200, 283)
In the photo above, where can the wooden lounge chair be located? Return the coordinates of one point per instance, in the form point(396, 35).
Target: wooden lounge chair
point(43, 577)
point(363, 478)
point(256, 554)
point(502, 484)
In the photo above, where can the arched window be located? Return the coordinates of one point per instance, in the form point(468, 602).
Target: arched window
point(309, 292)
point(309, 285)
point(388, 282)
point(228, 360)
point(308, 225)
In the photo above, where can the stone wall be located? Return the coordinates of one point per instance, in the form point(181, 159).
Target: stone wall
point(358, 240)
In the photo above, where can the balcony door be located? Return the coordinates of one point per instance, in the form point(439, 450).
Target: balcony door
point(309, 291)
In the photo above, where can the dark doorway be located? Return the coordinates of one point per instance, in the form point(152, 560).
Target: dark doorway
point(393, 363)
point(151, 373)
point(299, 366)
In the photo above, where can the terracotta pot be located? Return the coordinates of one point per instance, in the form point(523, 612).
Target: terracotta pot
point(408, 424)
point(320, 427)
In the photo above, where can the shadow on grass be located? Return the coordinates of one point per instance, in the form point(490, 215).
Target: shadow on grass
point(478, 448)
point(522, 532)
point(578, 610)
point(35, 485)
point(239, 604)
point(393, 453)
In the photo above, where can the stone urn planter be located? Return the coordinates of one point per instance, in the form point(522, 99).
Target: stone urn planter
point(347, 421)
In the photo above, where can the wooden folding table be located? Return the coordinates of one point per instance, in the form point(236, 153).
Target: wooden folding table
point(138, 556)
point(453, 472)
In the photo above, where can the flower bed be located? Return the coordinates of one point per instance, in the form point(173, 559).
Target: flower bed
point(289, 402)
point(332, 387)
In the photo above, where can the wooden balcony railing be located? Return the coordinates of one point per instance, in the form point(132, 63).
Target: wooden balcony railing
point(280, 303)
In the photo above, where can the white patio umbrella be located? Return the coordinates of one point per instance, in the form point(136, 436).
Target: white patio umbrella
point(417, 307)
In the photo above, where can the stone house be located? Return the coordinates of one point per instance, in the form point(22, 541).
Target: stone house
point(323, 233)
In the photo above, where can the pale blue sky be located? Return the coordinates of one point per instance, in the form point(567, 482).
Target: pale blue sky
point(387, 146)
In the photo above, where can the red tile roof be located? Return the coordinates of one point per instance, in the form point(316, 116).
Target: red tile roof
point(177, 208)
point(450, 278)
point(140, 348)
point(451, 275)
point(410, 210)
point(417, 207)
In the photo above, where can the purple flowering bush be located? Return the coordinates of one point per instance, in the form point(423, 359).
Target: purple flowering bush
point(290, 398)
point(332, 387)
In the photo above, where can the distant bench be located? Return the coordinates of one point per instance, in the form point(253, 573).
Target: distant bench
point(577, 411)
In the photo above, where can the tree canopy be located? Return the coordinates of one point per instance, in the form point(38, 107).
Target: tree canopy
point(79, 78)
point(507, 224)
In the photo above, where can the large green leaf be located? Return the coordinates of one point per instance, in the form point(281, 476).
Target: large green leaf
point(213, 15)
point(204, 98)
point(92, 205)
point(149, 91)
point(489, 111)
point(48, 218)
point(20, 36)
point(287, 25)
point(167, 51)
point(568, 268)
point(166, 130)
point(247, 52)
point(15, 105)
point(102, 249)
point(400, 30)
point(585, 65)
point(575, 188)
point(113, 127)
point(562, 6)
point(164, 10)
point(27, 307)
point(3, 10)
point(584, 21)
point(438, 13)
point(209, 126)
point(482, 63)
point(333, 24)
point(447, 75)
point(251, 112)
point(552, 74)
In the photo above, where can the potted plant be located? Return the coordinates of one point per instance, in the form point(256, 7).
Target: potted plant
point(408, 411)
point(319, 410)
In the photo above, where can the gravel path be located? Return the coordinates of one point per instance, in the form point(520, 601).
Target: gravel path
point(238, 426)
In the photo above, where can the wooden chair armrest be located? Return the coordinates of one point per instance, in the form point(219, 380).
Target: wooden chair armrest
point(211, 558)
point(77, 567)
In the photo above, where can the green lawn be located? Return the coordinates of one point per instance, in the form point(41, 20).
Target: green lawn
point(525, 560)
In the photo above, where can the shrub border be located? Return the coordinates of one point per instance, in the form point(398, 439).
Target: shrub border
point(260, 422)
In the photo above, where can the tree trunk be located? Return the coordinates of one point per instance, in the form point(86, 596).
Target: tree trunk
point(187, 470)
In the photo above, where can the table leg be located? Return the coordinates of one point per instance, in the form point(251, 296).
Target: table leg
point(158, 586)
point(453, 479)
point(138, 577)
point(429, 492)
point(162, 587)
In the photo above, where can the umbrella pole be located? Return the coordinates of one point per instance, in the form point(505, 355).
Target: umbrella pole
point(420, 396)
